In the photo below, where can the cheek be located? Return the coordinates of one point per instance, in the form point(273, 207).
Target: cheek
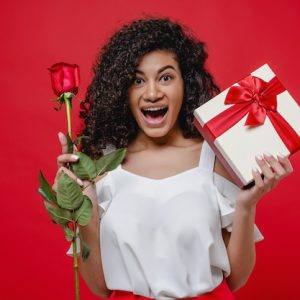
point(178, 99)
point(133, 104)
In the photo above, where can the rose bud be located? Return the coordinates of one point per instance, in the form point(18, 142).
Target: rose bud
point(64, 78)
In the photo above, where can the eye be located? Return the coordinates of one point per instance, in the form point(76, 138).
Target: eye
point(137, 81)
point(166, 78)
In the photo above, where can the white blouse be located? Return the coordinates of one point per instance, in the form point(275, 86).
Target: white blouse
point(162, 238)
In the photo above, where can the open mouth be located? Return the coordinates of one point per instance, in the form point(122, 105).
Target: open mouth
point(155, 115)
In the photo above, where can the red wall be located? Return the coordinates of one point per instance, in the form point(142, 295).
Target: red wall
point(240, 36)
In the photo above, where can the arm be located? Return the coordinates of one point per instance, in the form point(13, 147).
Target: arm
point(241, 247)
point(240, 243)
point(91, 269)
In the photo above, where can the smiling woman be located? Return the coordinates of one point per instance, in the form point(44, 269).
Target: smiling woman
point(168, 223)
point(156, 95)
point(108, 93)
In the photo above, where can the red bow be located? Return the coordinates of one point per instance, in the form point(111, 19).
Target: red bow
point(257, 98)
point(260, 95)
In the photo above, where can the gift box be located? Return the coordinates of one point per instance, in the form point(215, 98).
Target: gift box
point(254, 116)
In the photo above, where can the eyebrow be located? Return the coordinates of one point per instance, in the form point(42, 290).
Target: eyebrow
point(159, 71)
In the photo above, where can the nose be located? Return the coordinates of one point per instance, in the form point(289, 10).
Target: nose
point(152, 92)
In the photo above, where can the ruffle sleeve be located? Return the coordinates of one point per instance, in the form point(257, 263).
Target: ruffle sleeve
point(104, 186)
point(104, 193)
point(226, 193)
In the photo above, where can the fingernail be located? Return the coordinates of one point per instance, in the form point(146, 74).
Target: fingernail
point(60, 136)
point(258, 156)
point(79, 181)
point(74, 157)
point(254, 169)
point(281, 155)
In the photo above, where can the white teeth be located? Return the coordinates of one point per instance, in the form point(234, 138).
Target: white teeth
point(154, 108)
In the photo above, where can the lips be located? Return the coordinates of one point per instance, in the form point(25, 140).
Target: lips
point(154, 115)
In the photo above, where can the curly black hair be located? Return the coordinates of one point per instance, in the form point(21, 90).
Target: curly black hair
point(105, 110)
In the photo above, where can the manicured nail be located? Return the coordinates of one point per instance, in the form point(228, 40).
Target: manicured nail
point(281, 155)
point(258, 156)
point(79, 181)
point(60, 135)
point(74, 157)
point(255, 170)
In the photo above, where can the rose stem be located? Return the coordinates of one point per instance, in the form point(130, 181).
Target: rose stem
point(75, 264)
point(75, 259)
point(68, 110)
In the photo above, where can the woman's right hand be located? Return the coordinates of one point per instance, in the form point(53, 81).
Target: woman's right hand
point(62, 162)
point(91, 269)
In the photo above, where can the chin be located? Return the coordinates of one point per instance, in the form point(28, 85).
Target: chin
point(156, 133)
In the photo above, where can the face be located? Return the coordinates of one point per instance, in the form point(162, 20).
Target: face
point(156, 95)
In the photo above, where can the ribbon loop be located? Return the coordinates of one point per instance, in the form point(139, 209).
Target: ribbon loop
point(258, 92)
point(257, 98)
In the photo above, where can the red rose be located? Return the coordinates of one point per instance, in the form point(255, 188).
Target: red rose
point(64, 78)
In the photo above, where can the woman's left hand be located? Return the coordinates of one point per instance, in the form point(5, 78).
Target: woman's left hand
point(273, 170)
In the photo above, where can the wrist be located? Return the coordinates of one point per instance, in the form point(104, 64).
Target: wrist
point(246, 208)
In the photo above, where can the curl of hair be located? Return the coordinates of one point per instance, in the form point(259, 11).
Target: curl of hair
point(105, 111)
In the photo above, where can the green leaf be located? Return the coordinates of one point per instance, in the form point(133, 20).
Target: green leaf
point(58, 215)
point(69, 194)
point(69, 234)
point(110, 161)
point(84, 168)
point(60, 100)
point(45, 189)
point(69, 143)
point(84, 213)
point(85, 251)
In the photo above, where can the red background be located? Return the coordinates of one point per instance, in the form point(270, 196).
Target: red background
point(240, 36)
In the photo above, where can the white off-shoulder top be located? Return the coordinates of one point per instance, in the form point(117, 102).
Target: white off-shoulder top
point(162, 238)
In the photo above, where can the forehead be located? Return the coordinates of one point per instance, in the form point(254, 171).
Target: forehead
point(154, 60)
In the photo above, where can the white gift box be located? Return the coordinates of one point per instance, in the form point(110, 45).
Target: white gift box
point(237, 146)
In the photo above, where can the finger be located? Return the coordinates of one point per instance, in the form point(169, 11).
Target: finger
point(70, 174)
point(66, 158)
point(265, 168)
point(285, 162)
point(269, 175)
point(54, 186)
point(63, 142)
point(259, 186)
point(276, 166)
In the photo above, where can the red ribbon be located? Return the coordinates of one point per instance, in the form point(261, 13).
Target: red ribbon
point(257, 98)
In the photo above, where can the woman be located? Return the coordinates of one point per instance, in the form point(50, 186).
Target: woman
point(172, 225)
